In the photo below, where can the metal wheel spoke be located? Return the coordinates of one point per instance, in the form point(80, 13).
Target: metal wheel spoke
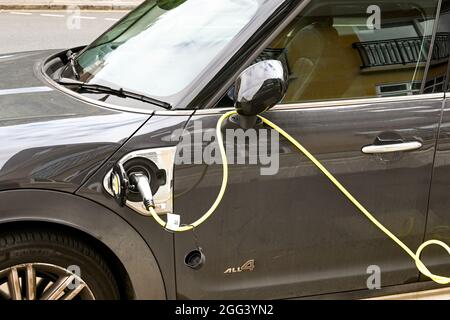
point(57, 289)
point(41, 287)
point(73, 293)
point(30, 282)
point(14, 284)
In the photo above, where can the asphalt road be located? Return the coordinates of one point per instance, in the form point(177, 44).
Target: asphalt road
point(34, 30)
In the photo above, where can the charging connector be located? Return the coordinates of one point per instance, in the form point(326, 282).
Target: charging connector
point(142, 183)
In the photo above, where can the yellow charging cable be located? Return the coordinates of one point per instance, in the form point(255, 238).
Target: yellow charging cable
point(223, 187)
point(415, 256)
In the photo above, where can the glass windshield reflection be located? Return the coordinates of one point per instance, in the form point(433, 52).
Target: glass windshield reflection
point(160, 52)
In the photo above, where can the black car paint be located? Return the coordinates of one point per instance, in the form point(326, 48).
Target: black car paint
point(53, 142)
point(438, 222)
point(108, 135)
point(297, 226)
point(155, 133)
point(93, 221)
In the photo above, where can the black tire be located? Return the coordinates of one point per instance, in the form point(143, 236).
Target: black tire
point(21, 246)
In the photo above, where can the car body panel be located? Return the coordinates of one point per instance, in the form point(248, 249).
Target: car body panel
point(156, 133)
point(312, 240)
point(438, 223)
point(49, 139)
point(101, 223)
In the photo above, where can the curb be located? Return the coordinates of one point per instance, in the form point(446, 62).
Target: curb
point(65, 7)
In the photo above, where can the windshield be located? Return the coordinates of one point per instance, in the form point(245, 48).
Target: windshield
point(162, 46)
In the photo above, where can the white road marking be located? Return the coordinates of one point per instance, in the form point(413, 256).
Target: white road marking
point(84, 17)
point(52, 15)
point(24, 90)
point(21, 13)
point(4, 57)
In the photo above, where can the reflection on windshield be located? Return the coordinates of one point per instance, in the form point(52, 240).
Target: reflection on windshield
point(159, 53)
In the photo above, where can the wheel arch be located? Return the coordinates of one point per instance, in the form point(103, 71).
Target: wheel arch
point(119, 242)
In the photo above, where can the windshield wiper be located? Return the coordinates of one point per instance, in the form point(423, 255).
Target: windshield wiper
point(116, 92)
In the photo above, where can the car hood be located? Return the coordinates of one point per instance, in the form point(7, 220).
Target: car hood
point(49, 139)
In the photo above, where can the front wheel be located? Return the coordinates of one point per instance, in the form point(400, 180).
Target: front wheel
point(52, 265)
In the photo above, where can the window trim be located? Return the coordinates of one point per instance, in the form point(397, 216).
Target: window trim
point(328, 104)
point(431, 49)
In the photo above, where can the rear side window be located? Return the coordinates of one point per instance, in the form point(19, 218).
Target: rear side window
point(437, 77)
point(358, 49)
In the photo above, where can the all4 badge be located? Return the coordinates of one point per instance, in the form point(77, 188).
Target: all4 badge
point(248, 266)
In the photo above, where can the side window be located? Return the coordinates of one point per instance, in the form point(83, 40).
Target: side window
point(357, 49)
point(438, 77)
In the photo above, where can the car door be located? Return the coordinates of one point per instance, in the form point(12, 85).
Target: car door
point(438, 224)
point(356, 80)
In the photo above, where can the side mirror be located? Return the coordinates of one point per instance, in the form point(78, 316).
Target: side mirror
point(258, 88)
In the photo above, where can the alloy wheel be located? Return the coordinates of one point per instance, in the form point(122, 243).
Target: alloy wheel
point(41, 281)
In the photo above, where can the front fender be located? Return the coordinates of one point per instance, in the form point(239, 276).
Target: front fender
point(95, 220)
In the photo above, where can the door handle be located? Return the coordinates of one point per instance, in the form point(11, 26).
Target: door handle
point(395, 147)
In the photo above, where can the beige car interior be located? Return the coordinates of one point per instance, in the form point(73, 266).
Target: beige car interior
point(324, 65)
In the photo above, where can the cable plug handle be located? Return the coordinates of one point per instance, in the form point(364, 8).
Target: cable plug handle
point(142, 183)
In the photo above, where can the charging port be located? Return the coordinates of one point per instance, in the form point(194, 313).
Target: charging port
point(156, 176)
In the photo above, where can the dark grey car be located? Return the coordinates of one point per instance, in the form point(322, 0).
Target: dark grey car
point(366, 95)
